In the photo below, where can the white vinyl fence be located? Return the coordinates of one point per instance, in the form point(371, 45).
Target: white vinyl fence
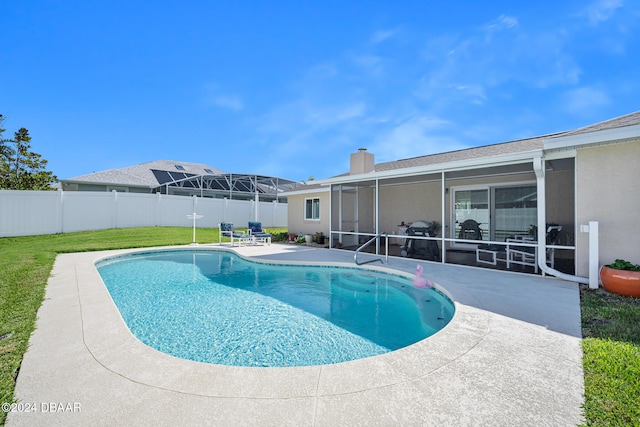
point(24, 213)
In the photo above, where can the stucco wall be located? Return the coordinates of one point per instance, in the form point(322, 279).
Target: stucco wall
point(608, 180)
point(408, 203)
point(296, 222)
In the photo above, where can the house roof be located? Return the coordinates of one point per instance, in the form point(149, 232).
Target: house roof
point(494, 150)
point(632, 119)
point(143, 175)
point(518, 146)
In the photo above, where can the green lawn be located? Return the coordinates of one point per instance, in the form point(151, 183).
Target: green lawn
point(611, 358)
point(610, 323)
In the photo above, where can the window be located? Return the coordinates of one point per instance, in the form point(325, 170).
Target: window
point(180, 167)
point(209, 171)
point(312, 209)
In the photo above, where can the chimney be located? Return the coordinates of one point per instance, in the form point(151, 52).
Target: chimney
point(361, 162)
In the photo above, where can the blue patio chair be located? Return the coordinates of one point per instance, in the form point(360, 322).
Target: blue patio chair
point(257, 233)
point(227, 229)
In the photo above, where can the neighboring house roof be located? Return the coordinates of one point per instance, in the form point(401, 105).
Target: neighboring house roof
point(143, 175)
point(186, 178)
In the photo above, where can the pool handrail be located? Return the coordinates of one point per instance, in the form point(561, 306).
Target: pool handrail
point(386, 251)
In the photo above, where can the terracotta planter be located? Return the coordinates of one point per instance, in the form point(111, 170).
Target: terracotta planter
point(621, 282)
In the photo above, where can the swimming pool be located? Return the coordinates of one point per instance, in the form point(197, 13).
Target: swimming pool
point(216, 307)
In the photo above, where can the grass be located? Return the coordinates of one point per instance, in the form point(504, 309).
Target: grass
point(611, 358)
point(611, 348)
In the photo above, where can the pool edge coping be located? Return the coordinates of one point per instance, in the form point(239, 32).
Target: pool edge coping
point(102, 326)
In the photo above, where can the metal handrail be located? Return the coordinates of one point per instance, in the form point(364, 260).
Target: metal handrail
point(386, 251)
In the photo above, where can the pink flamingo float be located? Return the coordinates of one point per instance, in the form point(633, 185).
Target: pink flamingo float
point(419, 281)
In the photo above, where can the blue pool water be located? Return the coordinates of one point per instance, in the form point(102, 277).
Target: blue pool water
point(213, 306)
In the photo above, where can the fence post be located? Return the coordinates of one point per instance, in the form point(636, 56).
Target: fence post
point(594, 255)
point(158, 209)
point(60, 211)
point(115, 208)
point(274, 213)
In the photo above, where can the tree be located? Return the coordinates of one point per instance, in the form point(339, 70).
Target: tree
point(21, 168)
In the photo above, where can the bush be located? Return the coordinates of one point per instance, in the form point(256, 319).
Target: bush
point(282, 236)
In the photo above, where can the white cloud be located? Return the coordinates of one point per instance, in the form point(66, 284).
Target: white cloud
point(471, 70)
point(371, 64)
point(382, 35)
point(416, 136)
point(322, 71)
point(501, 23)
point(601, 10)
point(214, 96)
point(230, 102)
point(475, 93)
point(585, 99)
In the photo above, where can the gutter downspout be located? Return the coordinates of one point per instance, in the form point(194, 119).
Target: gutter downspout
point(538, 167)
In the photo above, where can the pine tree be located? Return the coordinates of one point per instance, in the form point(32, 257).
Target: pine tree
point(21, 168)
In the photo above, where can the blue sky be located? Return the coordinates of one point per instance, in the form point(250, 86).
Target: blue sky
point(291, 88)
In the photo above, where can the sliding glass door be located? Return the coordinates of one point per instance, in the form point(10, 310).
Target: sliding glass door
point(515, 211)
point(471, 209)
point(499, 212)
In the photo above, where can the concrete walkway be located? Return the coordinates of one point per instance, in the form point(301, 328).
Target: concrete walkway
point(510, 356)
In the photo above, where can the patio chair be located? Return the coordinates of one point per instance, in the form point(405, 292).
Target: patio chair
point(492, 250)
point(257, 233)
point(552, 235)
point(522, 255)
point(227, 229)
point(528, 255)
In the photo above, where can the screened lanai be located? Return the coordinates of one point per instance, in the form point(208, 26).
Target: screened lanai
point(501, 199)
point(229, 185)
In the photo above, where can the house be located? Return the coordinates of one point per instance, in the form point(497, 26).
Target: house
point(182, 178)
point(510, 191)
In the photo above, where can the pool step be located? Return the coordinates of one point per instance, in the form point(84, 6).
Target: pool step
point(353, 283)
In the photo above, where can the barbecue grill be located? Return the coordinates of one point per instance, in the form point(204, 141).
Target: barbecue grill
point(419, 247)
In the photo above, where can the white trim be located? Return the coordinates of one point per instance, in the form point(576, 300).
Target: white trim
point(596, 137)
point(567, 153)
point(305, 208)
point(303, 192)
point(70, 181)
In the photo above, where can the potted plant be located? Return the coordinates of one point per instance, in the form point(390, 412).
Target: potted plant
point(319, 238)
point(621, 277)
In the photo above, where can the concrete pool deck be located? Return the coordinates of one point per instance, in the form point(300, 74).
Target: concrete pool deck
point(510, 356)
